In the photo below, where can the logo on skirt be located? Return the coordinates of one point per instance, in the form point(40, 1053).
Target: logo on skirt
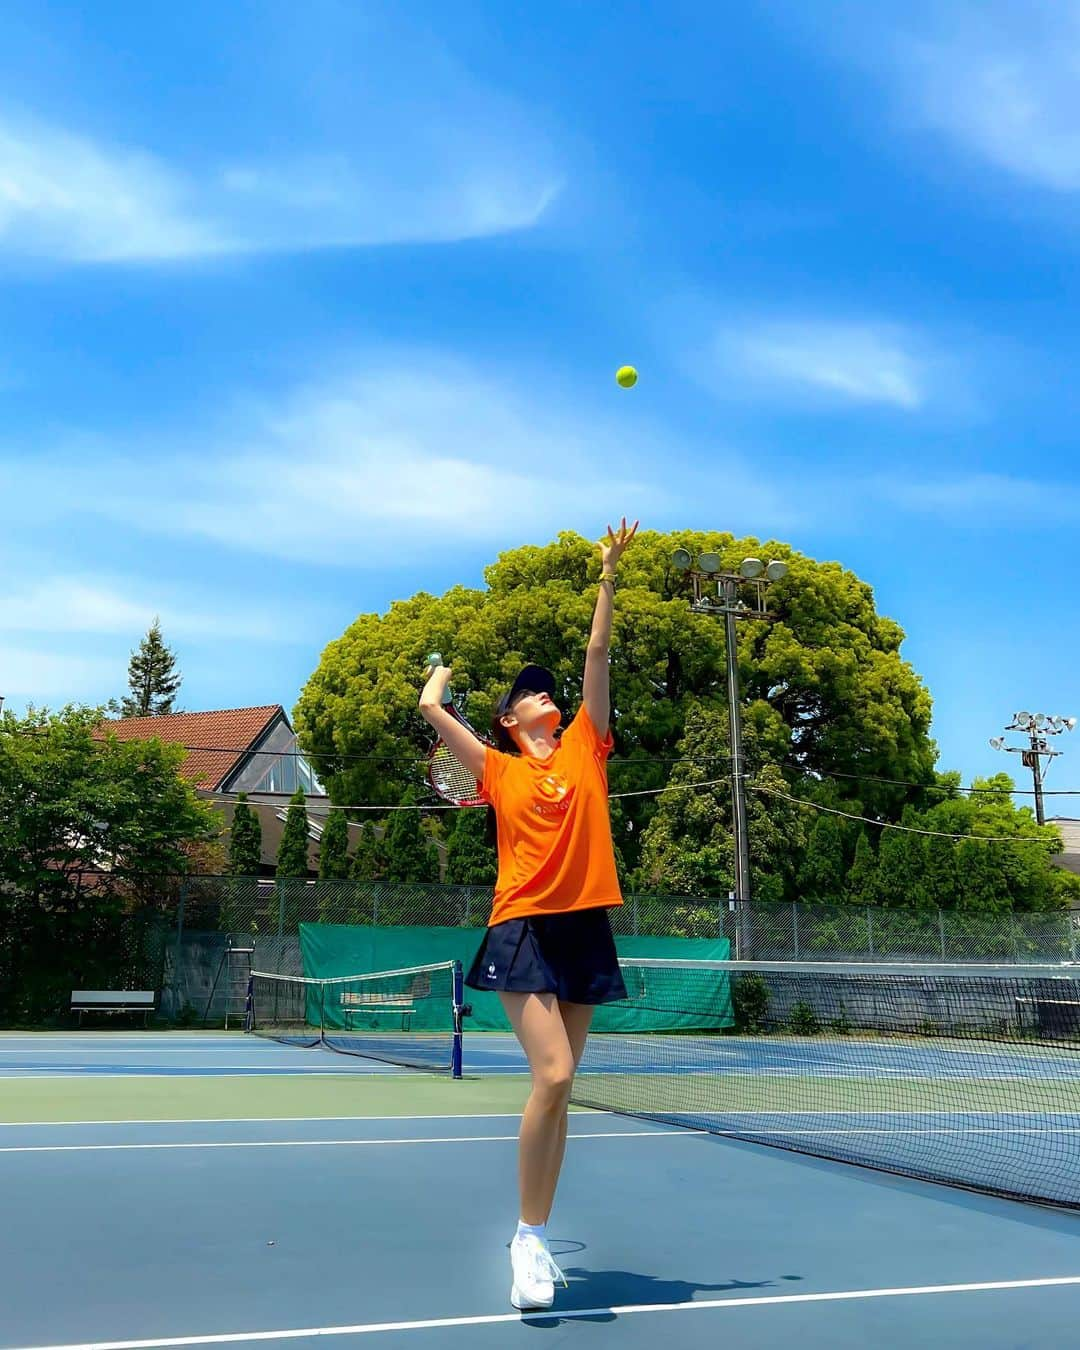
point(491, 972)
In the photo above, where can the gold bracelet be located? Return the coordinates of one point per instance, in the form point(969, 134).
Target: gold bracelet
point(608, 576)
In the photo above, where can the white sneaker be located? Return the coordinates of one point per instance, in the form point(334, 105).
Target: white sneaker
point(535, 1273)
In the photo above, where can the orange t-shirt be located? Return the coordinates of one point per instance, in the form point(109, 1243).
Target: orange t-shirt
point(555, 847)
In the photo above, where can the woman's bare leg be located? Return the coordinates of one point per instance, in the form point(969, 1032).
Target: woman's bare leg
point(537, 1020)
point(577, 1018)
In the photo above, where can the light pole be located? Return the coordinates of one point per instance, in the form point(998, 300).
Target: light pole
point(717, 592)
point(1036, 726)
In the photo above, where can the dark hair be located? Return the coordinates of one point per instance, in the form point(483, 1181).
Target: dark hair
point(503, 740)
point(501, 735)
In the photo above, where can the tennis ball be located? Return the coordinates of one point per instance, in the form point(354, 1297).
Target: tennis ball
point(626, 376)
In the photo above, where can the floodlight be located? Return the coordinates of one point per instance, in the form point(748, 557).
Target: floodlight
point(776, 570)
point(1070, 723)
point(1057, 724)
point(751, 568)
point(1024, 721)
point(709, 562)
point(1040, 721)
point(681, 560)
point(997, 742)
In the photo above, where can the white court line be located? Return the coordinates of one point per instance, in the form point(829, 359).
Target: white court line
point(279, 1051)
point(960, 1129)
point(256, 1071)
point(339, 1143)
point(282, 1120)
point(26, 1076)
point(573, 1314)
point(267, 1065)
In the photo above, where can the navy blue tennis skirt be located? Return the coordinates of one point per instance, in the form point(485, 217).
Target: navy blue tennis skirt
point(571, 955)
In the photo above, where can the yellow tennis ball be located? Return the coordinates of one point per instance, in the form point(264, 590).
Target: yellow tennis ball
point(626, 376)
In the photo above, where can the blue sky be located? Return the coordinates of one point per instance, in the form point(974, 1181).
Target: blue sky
point(291, 296)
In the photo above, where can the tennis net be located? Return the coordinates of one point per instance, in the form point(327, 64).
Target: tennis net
point(411, 1018)
point(968, 1075)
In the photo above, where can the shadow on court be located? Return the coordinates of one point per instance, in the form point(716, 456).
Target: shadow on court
point(616, 1288)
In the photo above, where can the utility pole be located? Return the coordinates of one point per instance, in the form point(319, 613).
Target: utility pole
point(1036, 727)
point(717, 592)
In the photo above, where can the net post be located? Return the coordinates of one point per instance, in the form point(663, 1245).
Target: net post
point(458, 1015)
point(249, 1005)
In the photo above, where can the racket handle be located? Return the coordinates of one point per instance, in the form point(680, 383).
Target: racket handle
point(435, 659)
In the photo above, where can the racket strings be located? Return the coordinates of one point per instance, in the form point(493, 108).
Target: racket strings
point(450, 778)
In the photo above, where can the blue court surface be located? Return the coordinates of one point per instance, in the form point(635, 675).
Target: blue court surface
point(181, 1189)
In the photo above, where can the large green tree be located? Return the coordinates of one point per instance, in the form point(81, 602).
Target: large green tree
point(862, 876)
point(92, 829)
point(76, 802)
point(153, 680)
point(410, 855)
point(369, 856)
point(689, 845)
point(470, 858)
point(292, 855)
point(824, 686)
point(822, 873)
point(245, 840)
point(334, 848)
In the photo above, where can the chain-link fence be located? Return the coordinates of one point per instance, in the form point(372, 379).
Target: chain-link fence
point(795, 932)
point(174, 937)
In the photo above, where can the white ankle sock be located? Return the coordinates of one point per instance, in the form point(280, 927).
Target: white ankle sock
point(537, 1230)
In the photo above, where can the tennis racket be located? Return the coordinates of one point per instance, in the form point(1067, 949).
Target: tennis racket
point(447, 775)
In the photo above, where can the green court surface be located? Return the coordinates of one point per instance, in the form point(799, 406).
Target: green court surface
point(369, 1094)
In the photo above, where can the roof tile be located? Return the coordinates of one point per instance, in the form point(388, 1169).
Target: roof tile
point(222, 737)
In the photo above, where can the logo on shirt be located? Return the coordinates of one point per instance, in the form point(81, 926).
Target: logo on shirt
point(554, 793)
point(491, 972)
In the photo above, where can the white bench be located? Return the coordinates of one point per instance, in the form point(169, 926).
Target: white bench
point(112, 1001)
point(352, 1004)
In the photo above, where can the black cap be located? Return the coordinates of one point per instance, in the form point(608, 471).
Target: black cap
point(535, 678)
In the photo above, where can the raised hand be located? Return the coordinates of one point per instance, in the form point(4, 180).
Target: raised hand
point(614, 546)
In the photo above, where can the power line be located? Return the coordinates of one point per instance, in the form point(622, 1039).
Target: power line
point(627, 762)
point(903, 829)
point(686, 787)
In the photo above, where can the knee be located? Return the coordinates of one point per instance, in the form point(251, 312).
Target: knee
point(553, 1082)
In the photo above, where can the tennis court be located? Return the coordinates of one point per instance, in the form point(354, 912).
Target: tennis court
point(215, 1188)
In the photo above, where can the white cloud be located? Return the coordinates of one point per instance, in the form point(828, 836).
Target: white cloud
point(79, 604)
point(1003, 83)
point(997, 79)
point(34, 675)
point(981, 499)
point(848, 361)
point(63, 196)
point(418, 151)
point(412, 456)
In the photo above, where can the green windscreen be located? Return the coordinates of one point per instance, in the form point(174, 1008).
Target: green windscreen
point(333, 950)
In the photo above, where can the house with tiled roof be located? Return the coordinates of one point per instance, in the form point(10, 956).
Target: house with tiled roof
point(252, 750)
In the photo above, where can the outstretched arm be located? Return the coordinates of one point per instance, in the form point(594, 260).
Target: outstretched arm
point(469, 749)
point(596, 685)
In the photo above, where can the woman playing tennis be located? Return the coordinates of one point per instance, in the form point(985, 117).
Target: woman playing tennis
point(548, 950)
